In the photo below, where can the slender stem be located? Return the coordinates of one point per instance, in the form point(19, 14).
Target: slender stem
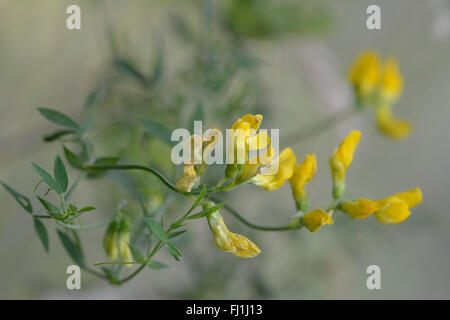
point(96, 273)
point(255, 226)
point(163, 179)
point(316, 128)
point(142, 266)
point(79, 227)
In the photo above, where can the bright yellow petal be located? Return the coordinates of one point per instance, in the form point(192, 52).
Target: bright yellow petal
point(315, 219)
point(412, 197)
point(258, 141)
point(343, 156)
point(285, 165)
point(391, 84)
point(362, 208)
point(365, 73)
point(392, 127)
point(303, 173)
point(395, 211)
point(247, 122)
point(231, 242)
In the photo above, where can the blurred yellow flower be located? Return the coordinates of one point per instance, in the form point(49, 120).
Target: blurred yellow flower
point(364, 74)
point(285, 162)
point(391, 82)
point(315, 219)
point(380, 84)
point(392, 127)
point(391, 210)
point(229, 241)
point(303, 173)
point(340, 161)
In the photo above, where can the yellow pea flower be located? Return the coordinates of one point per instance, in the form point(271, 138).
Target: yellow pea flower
point(315, 219)
point(391, 82)
point(397, 208)
point(244, 139)
point(189, 178)
point(365, 74)
point(340, 161)
point(285, 162)
point(303, 173)
point(229, 241)
point(392, 127)
point(362, 208)
point(248, 122)
point(393, 209)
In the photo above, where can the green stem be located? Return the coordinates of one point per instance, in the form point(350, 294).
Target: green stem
point(321, 126)
point(255, 226)
point(163, 179)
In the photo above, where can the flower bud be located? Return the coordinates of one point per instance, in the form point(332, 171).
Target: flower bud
point(124, 239)
point(110, 240)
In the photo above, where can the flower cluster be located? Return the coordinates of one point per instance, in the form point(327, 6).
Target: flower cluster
point(379, 84)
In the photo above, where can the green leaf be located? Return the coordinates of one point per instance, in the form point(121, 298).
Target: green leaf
point(41, 230)
point(143, 207)
point(205, 212)
point(74, 160)
point(157, 265)
point(200, 197)
point(58, 118)
point(156, 228)
point(52, 209)
point(128, 68)
point(85, 209)
point(158, 130)
point(60, 173)
point(174, 252)
point(47, 178)
point(72, 249)
point(175, 234)
point(57, 134)
point(137, 255)
point(23, 201)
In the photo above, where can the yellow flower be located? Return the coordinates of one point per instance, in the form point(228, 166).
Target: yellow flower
point(244, 139)
point(189, 178)
point(362, 208)
point(397, 207)
point(248, 122)
point(315, 219)
point(229, 241)
point(340, 161)
point(285, 163)
point(392, 127)
point(391, 210)
point(391, 82)
point(364, 74)
point(303, 173)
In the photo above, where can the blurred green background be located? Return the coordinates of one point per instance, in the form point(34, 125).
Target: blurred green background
point(288, 64)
